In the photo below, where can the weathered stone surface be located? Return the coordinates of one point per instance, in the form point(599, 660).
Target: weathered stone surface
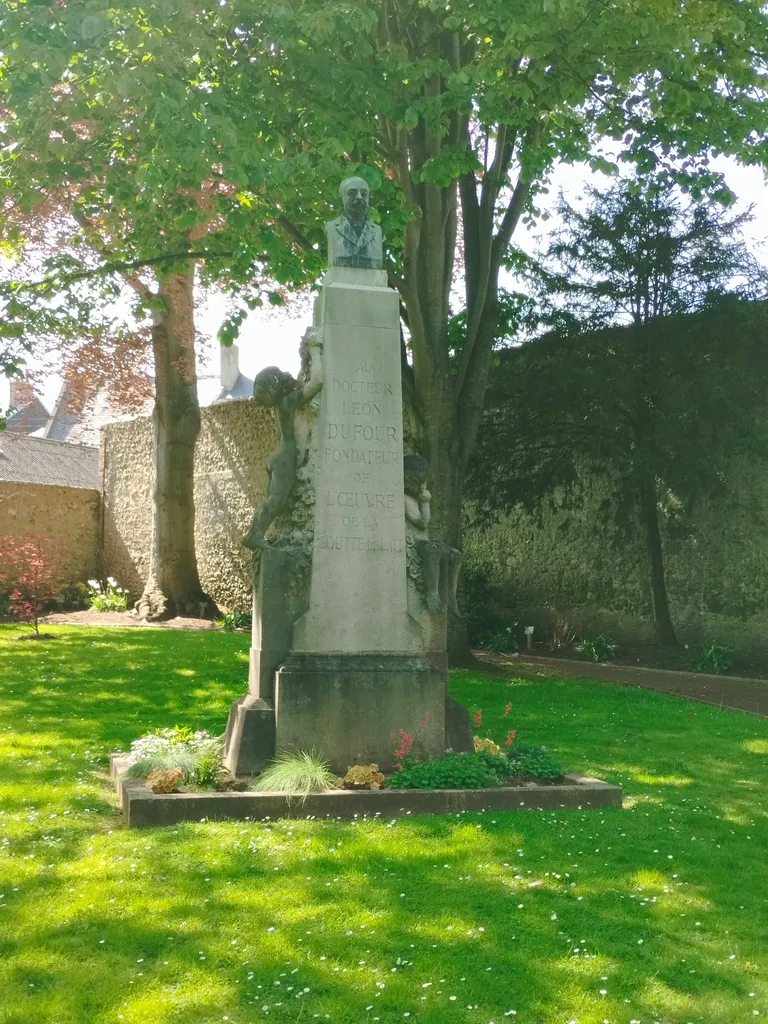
point(249, 742)
point(69, 516)
point(352, 708)
point(458, 731)
point(359, 541)
point(236, 437)
point(144, 809)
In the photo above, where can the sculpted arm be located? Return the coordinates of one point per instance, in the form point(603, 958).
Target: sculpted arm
point(308, 391)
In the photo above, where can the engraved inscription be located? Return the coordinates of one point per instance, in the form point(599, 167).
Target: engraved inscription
point(334, 543)
point(361, 432)
point(369, 457)
point(361, 387)
point(359, 499)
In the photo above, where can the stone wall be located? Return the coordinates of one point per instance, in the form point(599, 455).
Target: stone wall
point(68, 516)
point(564, 564)
point(235, 441)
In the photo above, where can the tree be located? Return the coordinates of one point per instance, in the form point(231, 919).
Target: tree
point(457, 112)
point(657, 408)
point(111, 123)
point(27, 577)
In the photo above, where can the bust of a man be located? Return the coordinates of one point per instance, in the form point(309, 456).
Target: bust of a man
point(353, 238)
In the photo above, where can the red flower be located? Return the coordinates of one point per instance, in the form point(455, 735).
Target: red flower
point(507, 709)
point(510, 738)
point(477, 718)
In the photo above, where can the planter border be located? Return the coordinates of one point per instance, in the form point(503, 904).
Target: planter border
point(144, 809)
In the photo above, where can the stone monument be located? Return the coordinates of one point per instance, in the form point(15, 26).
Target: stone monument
point(350, 592)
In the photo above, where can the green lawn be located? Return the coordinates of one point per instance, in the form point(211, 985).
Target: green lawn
point(657, 912)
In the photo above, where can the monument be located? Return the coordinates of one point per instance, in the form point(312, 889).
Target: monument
point(350, 591)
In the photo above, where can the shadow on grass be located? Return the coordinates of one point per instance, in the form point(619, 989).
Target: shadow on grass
point(532, 912)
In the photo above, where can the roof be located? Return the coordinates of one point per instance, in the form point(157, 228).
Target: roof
point(28, 418)
point(82, 427)
point(36, 460)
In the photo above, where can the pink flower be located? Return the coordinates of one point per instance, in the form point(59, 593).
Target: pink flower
point(404, 744)
point(510, 738)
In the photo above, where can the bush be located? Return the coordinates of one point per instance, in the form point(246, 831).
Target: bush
point(197, 754)
point(107, 597)
point(478, 599)
point(712, 658)
point(597, 648)
point(501, 640)
point(480, 770)
point(296, 774)
point(534, 762)
point(234, 620)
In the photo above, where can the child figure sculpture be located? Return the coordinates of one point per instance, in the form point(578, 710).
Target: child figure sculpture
point(440, 563)
point(278, 391)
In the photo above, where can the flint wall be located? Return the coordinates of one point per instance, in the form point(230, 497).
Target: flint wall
point(236, 438)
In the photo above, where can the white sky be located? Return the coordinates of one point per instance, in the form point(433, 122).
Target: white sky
point(272, 337)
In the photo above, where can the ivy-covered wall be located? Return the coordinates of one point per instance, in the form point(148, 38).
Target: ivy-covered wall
point(559, 564)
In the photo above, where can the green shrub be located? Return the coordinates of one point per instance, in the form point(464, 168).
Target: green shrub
point(198, 754)
point(712, 658)
point(206, 767)
point(534, 761)
point(454, 771)
point(597, 648)
point(234, 620)
point(501, 640)
point(297, 774)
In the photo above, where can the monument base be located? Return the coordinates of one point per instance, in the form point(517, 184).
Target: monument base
point(351, 709)
point(354, 709)
point(249, 741)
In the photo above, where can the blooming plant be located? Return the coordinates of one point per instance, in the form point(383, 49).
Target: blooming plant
point(107, 597)
point(509, 739)
point(197, 754)
point(477, 718)
point(27, 576)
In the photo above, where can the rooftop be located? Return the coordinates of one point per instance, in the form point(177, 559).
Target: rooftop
point(37, 460)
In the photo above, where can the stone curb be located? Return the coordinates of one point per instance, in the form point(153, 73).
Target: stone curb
point(143, 809)
point(610, 666)
point(689, 685)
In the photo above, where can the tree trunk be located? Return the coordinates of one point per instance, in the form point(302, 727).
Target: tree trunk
point(662, 620)
point(446, 486)
point(173, 584)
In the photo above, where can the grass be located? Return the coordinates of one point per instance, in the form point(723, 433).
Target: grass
point(658, 912)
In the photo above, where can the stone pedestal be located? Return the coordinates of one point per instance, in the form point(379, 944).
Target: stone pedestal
point(357, 601)
point(355, 658)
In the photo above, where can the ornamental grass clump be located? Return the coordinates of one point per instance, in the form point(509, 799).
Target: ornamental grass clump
point(297, 774)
